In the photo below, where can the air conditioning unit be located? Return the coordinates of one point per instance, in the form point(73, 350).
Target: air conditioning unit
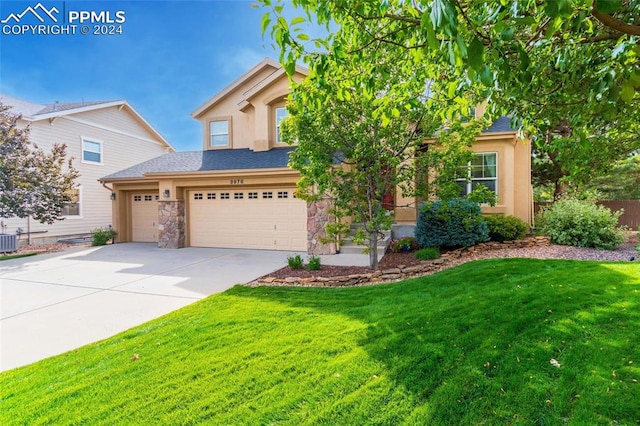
point(8, 243)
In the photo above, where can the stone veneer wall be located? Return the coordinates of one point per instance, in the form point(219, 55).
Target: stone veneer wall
point(317, 219)
point(172, 232)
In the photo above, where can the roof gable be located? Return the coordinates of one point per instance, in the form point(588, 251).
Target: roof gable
point(36, 112)
point(266, 64)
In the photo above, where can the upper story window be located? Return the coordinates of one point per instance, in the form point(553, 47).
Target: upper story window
point(219, 133)
point(482, 170)
point(72, 207)
point(281, 113)
point(91, 151)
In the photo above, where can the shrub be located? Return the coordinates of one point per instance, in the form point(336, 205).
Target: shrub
point(454, 223)
point(314, 263)
point(506, 228)
point(404, 244)
point(428, 253)
point(295, 262)
point(101, 236)
point(582, 224)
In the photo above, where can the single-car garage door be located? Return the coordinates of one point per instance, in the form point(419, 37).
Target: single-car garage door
point(144, 218)
point(270, 219)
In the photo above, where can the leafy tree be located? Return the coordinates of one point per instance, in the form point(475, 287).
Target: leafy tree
point(568, 70)
point(32, 183)
point(358, 136)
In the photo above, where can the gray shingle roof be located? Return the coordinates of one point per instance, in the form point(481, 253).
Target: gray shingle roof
point(64, 106)
point(30, 109)
point(215, 160)
point(502, 124)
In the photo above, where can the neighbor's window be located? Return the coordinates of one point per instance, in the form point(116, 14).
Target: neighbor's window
point(219, 131)
point(482, 170)
point(91, 151)
point(72, 207)
point(280, 114)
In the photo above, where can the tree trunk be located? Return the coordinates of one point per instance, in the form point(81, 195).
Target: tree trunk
point(373, 249)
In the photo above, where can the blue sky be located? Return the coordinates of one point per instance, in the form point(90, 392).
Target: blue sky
point(171, 57)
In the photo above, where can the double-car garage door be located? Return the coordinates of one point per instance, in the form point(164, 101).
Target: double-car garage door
point(264, 218)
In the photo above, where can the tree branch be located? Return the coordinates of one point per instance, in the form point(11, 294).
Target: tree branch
point(611, 22)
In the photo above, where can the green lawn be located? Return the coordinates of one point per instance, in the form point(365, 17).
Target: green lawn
point(16, 256)
point(470, 345)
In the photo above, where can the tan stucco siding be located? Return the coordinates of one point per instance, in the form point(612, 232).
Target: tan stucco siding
point(513, 180)
point(119, 151)
point(250, 111)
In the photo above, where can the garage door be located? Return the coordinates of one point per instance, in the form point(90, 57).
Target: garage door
point(251, 218)
point(144, 217)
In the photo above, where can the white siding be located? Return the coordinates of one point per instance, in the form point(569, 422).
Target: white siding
point(123, 148)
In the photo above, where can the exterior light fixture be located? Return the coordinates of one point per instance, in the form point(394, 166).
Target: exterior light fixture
point(113, 196)
point(166, 193)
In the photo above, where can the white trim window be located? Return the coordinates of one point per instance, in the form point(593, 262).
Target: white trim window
point(281, 113)
point(91, 151)
point(73, 208)
point(219, 133)
point(482, 170)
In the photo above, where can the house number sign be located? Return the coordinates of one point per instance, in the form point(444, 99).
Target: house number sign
point(237, 181)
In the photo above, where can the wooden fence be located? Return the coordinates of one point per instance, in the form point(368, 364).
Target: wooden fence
point(630, 217)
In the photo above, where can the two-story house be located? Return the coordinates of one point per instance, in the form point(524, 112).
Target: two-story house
point(238, 192)
point(102, 138)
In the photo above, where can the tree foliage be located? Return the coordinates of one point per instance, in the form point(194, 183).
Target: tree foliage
point(568, 70)
point(32, 183)
point(358, 134)
point(620, 182)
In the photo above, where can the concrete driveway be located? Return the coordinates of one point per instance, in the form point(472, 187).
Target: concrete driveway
point(57, 302)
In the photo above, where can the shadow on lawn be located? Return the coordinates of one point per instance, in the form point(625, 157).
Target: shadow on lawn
point(478, 340)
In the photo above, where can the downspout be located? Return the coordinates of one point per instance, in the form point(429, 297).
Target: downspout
point(106, 187)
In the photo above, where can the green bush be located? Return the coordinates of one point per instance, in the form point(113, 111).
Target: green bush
point(582, 224)
point(404, 244)
point(506, 228)
point(428, 253)
point(454, 223)
point(101, 236)
point(314, 263)
point(295, 262)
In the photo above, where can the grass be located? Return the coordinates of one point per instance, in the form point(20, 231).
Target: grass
point(17, 256)
point(470, 345)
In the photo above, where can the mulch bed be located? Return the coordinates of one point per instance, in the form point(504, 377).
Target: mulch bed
point(38, 248)
point(394, 260)
point(388, 261)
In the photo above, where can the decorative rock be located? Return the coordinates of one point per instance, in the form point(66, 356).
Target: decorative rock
point(269, 280)
point(413, 269)
point(391, 271)
point(389, 277)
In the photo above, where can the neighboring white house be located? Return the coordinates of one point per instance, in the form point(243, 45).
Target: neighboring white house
point(102, 138)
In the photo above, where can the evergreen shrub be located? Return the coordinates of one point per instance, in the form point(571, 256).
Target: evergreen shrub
point(506, 228)
point(454, 223)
